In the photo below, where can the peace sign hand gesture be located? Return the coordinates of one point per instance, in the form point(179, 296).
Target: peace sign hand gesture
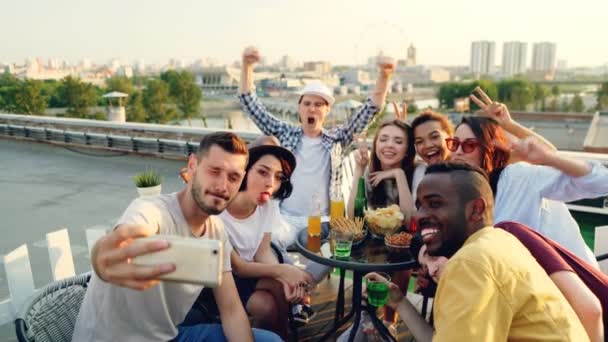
point(400, 115)
point(489, 108)
point(362, 154)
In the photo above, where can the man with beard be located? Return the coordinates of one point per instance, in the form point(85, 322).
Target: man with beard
point(491, 289)
point(125, 302)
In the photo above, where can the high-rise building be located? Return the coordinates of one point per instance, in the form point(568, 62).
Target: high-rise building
point(514, 58)
point(482, 57)
point(543, 57)
point(411, 56)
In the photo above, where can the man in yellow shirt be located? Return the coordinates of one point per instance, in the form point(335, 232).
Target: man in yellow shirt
point(491, 289)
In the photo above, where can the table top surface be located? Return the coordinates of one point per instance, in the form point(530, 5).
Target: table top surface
point(370, 256)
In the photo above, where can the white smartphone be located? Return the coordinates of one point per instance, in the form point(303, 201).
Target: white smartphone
point(197, 261)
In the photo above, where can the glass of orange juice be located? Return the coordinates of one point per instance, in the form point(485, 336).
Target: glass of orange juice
point(336, 208)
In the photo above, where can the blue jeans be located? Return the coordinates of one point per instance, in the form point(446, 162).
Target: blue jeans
point(214, 332)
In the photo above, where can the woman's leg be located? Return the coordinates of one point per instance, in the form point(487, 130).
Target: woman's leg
point(268, 311)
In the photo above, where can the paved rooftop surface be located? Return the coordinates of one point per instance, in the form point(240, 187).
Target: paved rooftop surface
point(45, 188)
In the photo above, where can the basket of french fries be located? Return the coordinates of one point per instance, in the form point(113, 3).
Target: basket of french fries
point(354, 226)
point(397, 243)
point(384, 221)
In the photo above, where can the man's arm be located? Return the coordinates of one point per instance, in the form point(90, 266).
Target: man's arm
point(421, 330)
point(468, 305)
point(254, 108)
point(112, 253)
point(357, 122)
point(234, 319)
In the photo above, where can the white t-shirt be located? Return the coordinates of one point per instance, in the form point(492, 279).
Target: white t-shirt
point(311, 175)
point(114, 313)
point(528, 193)
point(246, 235)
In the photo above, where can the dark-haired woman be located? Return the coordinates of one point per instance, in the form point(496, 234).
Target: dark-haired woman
point(264, 285)
point(531, 192)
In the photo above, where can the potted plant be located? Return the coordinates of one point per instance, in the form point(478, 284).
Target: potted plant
point(148, 183)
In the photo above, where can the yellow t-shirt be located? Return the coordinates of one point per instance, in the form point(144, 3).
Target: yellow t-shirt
point(492, 289)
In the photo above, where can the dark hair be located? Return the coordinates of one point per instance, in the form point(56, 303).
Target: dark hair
point(490, 135)
point(286, 187)
point(407, 164)
point(475, 183)
point(429, 115)
point(227, 141)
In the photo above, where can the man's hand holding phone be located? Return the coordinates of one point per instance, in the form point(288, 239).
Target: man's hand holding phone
point(113, 254)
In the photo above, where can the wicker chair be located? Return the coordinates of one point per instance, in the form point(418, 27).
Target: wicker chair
point(50, 314)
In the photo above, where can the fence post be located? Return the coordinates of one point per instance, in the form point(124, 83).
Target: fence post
point(60, 254)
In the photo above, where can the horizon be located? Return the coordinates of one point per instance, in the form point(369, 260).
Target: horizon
point(71, 31)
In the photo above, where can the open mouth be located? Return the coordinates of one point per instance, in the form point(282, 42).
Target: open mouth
point(264, 197)
point(388, 154)
point(433, 156)
point(311, 121)
point(428, 234)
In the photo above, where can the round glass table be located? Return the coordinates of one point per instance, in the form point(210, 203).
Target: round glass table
point(370, 256)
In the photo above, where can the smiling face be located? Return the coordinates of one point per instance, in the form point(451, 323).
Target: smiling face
point(216, 178)
point(463, 134)
point(430, 142)
point(440, 215)
point(312, 110)
point(264, 179)
point(390, 146)
point(434, 264)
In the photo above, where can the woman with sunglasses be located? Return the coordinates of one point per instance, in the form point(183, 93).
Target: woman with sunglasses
point(530, 192)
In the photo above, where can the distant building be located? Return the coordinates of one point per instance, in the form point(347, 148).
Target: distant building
point(411, 56)
point(514, 58)
point(482, 57)
point(125, 71)
point(319, 67)
point(543, 60)
point(86, 64)
point(288, 63)
point(355, 76)
point(438, 75)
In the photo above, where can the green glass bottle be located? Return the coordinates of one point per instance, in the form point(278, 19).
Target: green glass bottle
point(360, 199)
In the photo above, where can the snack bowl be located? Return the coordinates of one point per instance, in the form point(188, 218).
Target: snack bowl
point(398, 243)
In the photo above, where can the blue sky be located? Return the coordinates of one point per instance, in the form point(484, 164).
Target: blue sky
point(342, 31)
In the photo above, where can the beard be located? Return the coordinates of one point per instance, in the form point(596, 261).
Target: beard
point(450, 246)
point(198, 197)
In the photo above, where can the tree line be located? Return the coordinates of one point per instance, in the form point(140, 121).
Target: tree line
point(172, 96)
point(520, 94)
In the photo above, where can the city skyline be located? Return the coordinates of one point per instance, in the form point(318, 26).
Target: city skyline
point(441, 31)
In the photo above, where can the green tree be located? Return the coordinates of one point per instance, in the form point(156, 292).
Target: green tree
point(565, 105)
point(553, 105)
point(119, 83)
point(135, 109)
point(184, 92)
point(540, 96)
point(449, 92)
point(517, 94)
point(28, 98)
point(8, 85)
point(78, 96)
point(155, 98)
point(577, 104)
point(602, 97)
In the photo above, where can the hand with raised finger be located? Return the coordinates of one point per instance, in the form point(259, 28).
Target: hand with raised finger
point(386, 65)
point(489, 108)
point(361, 140)
point(112, 255)
point(400, 115)
point(532, 151)
point(361, 161)
point(251, 55)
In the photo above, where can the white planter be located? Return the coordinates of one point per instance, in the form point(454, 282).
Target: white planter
point(150, 191)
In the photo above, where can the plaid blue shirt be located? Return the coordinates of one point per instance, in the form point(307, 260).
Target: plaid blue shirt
point(335, 140)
